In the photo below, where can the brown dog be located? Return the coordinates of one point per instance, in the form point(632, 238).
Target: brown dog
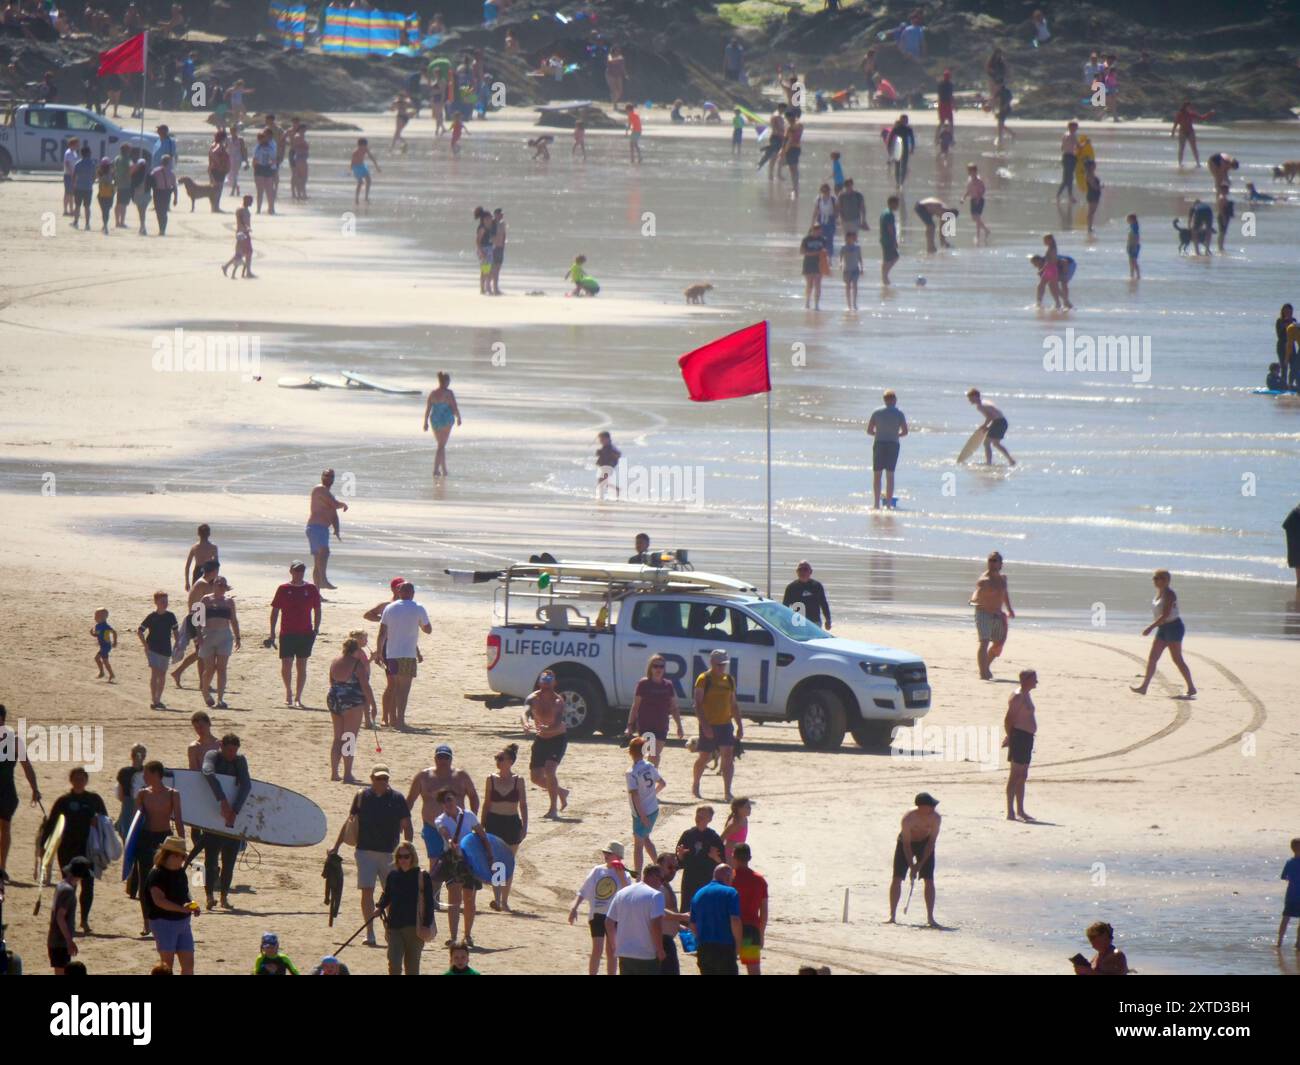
point(199, 192)
point(1290, 171)
point(695, 294)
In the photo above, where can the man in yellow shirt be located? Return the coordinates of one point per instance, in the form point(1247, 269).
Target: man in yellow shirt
point(716, 707)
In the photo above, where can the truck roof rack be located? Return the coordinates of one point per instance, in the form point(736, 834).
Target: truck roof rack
point(623, 577)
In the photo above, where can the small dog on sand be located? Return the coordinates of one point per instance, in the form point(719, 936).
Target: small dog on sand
point(1184, 237)
point(1290, 171)
point(695, 294)
point(199, 192)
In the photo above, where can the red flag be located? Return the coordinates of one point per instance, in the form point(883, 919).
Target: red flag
point(126, 58)
point(731, 366)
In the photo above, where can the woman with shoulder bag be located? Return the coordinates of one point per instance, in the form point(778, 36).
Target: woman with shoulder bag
point(348, 697)
point(407, 905)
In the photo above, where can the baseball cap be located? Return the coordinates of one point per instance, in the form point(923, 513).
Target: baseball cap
point(396, 583)
point(270, 939)
point(379, 771)
point(925, 799)
point(613, 847)
point(443, 750)
point(718, 655)
point(297, 563)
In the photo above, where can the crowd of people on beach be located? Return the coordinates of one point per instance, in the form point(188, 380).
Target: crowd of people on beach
point(636, 918)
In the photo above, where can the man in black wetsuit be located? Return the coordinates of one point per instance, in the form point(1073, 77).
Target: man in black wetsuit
point(224, 761)
point(808, 597)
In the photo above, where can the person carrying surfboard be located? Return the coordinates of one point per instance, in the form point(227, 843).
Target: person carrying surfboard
point(224, 761)
point(994, 427)
point(454, 824)
point(78, 809)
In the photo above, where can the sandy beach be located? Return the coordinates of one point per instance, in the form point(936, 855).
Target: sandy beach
point(1170, 818)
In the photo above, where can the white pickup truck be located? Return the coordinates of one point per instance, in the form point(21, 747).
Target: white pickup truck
point(596, 625)
point(35, 136)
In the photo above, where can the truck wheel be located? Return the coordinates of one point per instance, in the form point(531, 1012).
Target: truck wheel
point(822, 720)
point(584, 705)
point(6, 163)
point(873, 735)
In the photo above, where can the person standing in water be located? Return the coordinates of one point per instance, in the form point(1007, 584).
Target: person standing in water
point(995, 427)
point(975, 193)
point(1169, 630)
point(1185, 130)
point(1092, 193)
point(634, 134)
point(888, 238)
point(991, 595)
point(440, 413)
point(792, 149)
point(358, 164)
point(813, 249)
point(1069, 157)
point(1021, 727)
point(851, 263)
point(914, 853)
point(887, 426)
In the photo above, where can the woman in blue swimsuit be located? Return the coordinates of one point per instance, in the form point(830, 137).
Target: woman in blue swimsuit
point(441, 413)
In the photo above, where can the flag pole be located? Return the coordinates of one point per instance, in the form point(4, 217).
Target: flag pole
point(769, 481)
point(144, 84)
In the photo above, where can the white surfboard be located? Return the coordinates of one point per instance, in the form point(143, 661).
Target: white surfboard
point(359, 381)
point(326, 380)
point(271, 814)
point(976, 439)
point(297, 382)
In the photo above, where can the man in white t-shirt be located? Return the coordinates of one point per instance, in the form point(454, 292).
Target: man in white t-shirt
point(399, 637)
point(643, 787)
point(635, 922)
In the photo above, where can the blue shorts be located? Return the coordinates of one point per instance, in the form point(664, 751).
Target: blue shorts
point(643, 829)
point(359, 171)
point(434, 844)
point(173, 937)
point(723, 736)
point(1171, 632)
point(318, 538)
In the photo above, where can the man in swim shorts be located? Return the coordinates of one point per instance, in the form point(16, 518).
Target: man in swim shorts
point(1021, 727)
point(398, 649)
point(914, 853)
point(995, 426)
point(720, 725)
point(296, 606)
point(324, 515)
point(543, 719)
point(426, 784)
point(887, 426)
